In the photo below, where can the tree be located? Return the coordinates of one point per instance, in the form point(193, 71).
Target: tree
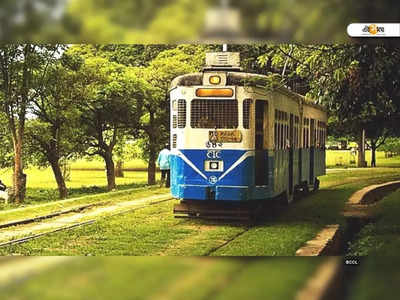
point(357, 83)
point(6, 149)
point(22, 72)
point(54, 134)
point(109, 97)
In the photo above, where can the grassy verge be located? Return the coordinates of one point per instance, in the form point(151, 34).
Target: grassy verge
point(383, 236)
point(167, 278)
point(42, 188)
point(154, 230)
point(50, 207)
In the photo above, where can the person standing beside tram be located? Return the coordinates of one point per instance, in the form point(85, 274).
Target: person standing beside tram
point(163, 162)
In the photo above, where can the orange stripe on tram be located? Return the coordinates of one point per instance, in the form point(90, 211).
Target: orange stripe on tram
point(214, 92)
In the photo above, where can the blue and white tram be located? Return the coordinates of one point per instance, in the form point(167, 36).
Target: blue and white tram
point(235, 141)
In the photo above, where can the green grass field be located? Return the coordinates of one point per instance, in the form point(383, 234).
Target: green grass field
point(98, 164)
point(42, 187)
point(344, 158)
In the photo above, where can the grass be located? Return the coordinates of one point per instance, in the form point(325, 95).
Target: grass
point(98, 164)
point(381, 237)
point(154, 230)
point(287, 231)
point(50, 207)
point(343, 158)
point(167, 278)
point(41, 186)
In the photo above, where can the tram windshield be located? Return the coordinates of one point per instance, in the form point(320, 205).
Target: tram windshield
point(221, 114)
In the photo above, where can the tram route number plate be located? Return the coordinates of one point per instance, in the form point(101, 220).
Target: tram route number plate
point(225, 136)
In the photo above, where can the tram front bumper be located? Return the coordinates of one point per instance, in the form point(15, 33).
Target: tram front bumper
point(213, 192)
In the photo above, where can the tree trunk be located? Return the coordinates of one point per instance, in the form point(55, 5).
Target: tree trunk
point(373, 154)
point(62, 188)
point(151, 168)
point(361, 154)
point(110, 170)
point(19, 178)
point(119, 172)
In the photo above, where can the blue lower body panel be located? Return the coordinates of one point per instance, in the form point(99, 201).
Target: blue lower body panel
point(191, 180)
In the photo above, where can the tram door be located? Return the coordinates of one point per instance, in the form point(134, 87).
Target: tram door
point(291, 153)
point(312, 150)
point(261, 157)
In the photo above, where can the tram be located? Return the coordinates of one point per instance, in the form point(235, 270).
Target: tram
point(236, 143)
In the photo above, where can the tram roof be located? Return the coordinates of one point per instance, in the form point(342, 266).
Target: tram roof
point(242, 78)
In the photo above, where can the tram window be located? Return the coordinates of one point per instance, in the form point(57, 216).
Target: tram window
point(181, 113)
point(307, 137)
point(174, 121)
point(246, 113)
point(287, 136)
point(174, 105)
point(276, 135)
point(206, 113)
point(174, 138)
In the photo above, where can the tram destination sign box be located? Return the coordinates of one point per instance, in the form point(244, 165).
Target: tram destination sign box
point(225, 136)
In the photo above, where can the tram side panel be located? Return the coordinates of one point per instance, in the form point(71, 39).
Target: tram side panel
point(315, 143)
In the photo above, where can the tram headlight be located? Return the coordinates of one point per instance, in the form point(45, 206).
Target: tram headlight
point(215, 79)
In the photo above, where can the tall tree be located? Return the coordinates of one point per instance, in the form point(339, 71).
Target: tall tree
point(23, 69)
point(54, 134)
point(109, 98)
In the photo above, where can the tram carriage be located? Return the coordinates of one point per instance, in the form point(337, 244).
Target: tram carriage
point(236, 145)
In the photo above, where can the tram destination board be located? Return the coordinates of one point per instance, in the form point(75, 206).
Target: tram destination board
point(225, 136)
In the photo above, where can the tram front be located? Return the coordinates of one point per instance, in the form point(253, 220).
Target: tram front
point(211, 142)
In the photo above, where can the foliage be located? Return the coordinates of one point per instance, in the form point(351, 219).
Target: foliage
point(391, 145)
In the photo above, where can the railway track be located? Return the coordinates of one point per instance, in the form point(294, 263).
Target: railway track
point(52, 215)
point(74, 225)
